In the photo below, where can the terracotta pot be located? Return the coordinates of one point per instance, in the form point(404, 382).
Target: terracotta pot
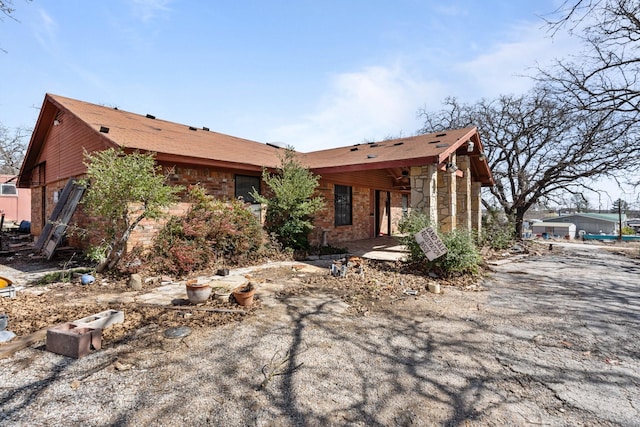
point(198, 294)
point(244, 298)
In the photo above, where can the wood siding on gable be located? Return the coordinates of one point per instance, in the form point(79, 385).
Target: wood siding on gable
point(64, 148)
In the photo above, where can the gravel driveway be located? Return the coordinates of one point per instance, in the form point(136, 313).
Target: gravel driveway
point(553, 341)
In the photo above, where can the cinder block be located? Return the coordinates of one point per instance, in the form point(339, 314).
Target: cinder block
point(9, 291)
point(100, 320)
point(69, 340)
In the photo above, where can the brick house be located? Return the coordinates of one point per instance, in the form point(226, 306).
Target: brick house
point(368, 187)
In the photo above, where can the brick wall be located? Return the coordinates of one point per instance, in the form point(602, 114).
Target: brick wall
point(361, 217)
point(90, 231)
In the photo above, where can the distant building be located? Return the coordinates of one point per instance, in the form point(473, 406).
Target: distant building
point(555, 230)
point(591, 223)
point(15, 203)
point(634, 223)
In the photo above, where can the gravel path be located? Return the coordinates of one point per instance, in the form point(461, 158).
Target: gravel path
point(554, 341)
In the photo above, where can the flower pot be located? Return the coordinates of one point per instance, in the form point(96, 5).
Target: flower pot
point(198, 293)
point(244, 294)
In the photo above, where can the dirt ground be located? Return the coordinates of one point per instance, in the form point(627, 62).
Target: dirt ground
point(549, 339)
point(58, 302)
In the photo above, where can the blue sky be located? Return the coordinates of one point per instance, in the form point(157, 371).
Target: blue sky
point(312, 74)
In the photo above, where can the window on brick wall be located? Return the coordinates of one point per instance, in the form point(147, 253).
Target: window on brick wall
point(245, 185)
point(342, 204)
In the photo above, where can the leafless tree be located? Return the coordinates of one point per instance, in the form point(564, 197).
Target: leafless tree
point(539, 148)
point(12, 149)
point(604, 76)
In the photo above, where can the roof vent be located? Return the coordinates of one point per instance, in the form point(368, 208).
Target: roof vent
point(442, 145)
point(371, 156)
point(150, 116)
point(374, 145)
point(205, 128)
point(104, 129)
point(440, 135)
point(192, 128)
point(354, 149)
point(398, 143)
point(434, 142)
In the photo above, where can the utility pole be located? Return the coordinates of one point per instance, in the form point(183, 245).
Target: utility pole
point(619, 220)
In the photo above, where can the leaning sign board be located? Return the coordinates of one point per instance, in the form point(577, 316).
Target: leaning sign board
point(430, 243)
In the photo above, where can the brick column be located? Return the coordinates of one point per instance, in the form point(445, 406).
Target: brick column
point(424, 190)
point(447, 200)
point(463, 196)
point(476, 206)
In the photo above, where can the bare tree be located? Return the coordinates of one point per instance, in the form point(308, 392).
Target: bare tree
point(579, 202)
point(12, 149)
point(540, 149)
point(604, 76)
point(6, 8)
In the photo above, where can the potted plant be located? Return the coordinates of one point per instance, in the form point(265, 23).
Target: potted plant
point(244, 294)
point(197, 292)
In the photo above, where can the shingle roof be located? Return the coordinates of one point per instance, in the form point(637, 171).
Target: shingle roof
point(417, 148)
point(182, 143)
point(403, 152)
point(147, 133)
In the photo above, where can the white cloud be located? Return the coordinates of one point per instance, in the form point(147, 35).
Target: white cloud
point(371, 104)
point(45, 31)
point(149, 9)
point(381, 101)
point(505, 68)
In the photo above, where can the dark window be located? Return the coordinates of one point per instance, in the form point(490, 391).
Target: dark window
point(9, 189)
point(342, 205)
point(245, 186)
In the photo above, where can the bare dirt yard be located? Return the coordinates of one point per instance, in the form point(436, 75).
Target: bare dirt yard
point(546, 339)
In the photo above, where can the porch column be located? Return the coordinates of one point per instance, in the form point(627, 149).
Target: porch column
point(424, 190)
point(463, 196)
point(476, 206)
point(447, 202)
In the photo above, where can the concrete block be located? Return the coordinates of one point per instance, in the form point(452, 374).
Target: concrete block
point(9, 291)
point(72, 341)
point(100, 320)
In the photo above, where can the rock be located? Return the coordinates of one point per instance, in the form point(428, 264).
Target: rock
point(135, 282)
point(87, 279)
point(6, 336)
point(177, 332)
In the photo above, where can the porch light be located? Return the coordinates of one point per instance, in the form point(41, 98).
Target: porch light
point(470, 146)
point(451, 168)
point(482, 157)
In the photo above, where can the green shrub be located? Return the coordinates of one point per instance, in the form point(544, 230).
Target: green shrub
point(212, 230)
point(409, 226)
point(291, 204)
point(497, 231)
point(628, 231)
point(462, 254)
point(497, 236)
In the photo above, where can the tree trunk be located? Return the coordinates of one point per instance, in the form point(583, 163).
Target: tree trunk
point(519, 222)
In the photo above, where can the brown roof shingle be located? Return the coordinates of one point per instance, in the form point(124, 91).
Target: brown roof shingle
point(135, 131)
